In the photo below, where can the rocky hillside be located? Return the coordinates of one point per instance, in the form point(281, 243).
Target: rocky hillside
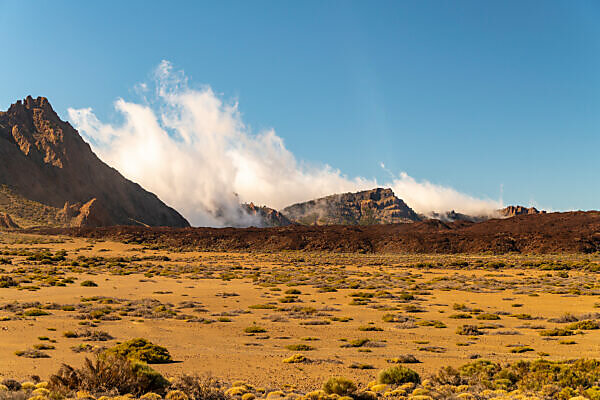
point(572, 232)
point(266, 217)
point(50, 176)
point(512, 211)
point(369, 207)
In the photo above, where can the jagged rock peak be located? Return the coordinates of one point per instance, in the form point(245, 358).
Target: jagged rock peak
point(45, 160)
point(512, 211)
point(267, 217)
point(368, 207)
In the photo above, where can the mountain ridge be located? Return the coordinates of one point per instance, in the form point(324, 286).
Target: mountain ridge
point(367, 207)
point(45, 160)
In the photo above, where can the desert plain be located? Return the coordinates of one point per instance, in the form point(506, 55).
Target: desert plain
point(289, 319)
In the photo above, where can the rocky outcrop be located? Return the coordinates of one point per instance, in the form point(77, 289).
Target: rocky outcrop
point(45, 160)
point(7, 222)
point(88, 215)
point(512, 211)
point(369, 207)
point(451, 216)
point(265, 216)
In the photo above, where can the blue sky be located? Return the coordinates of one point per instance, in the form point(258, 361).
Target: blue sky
point(469, 94)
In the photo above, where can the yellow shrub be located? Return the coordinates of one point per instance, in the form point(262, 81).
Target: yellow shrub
point(82, 394)
point(40, 392)
point(316, 395)
point(38, 397)
point(296, 358)
point(236, 391)
point(150, 396)
point(379, 388)
point(176, 395)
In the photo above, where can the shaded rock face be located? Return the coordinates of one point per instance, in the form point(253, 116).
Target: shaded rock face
point(7, 222)
point(44, 159)
point(266, 217)
point(369, 207)
point(451, 216)
point(512, 211)
point(88, 215)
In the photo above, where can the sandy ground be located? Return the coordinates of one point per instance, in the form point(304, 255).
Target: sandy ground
point(224, 350)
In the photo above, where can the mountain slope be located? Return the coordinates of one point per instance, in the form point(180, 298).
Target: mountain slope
point(572, 232)
point(266, 216)
point(512, 211)
point(45, 161)
point(369, 207)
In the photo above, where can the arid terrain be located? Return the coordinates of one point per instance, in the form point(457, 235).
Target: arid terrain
point(569, 232)
point(244, 316)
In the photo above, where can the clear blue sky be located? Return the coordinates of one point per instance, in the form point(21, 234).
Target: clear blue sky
point(468, 94)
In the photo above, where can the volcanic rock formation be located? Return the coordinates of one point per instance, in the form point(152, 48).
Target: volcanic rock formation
point(512, 211)
point(369, 207)
point(266, 217)
point(44, 161)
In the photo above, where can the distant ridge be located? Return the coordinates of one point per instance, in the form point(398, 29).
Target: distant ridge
point(49, 176)
point(369, 207)
point(572, 232)
point(266, 216)
point(512, 211)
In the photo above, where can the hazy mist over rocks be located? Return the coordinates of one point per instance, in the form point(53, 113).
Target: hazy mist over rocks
point(192, 148)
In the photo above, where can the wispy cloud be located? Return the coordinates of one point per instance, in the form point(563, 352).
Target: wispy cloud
point(193, 150)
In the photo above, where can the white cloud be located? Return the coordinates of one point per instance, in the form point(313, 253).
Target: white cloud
point(193, 150)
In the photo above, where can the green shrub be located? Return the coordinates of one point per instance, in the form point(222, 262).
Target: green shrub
point(556, 332)
point(35, 312)
point(488, 317)
point(398, 375)
point(584, 325)
point(369, 328)
point(299, 347)
point(89, 283)
point(340, 386)
point(141, 349)
point(109, 372)
point(255, 329)
point(469, 330)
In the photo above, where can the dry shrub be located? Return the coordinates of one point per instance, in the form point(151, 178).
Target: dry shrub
point(200, 388)
point(108, 373)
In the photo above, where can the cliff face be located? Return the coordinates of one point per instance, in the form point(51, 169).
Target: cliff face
point(44, 161)
point(369, 207)
point(266, 216)
point(512, 211)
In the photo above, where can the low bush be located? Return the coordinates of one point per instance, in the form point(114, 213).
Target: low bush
point(398, 375)
point(141, 349)
point(109, 372)
point(340, 386)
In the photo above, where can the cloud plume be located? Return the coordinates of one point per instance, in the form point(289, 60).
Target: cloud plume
point(193, 150)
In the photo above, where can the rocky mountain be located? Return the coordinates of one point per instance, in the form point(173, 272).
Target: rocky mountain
point(512, 211)
point(50, 176)
point(369, 207)
point(451, 216)
point(266, 217)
